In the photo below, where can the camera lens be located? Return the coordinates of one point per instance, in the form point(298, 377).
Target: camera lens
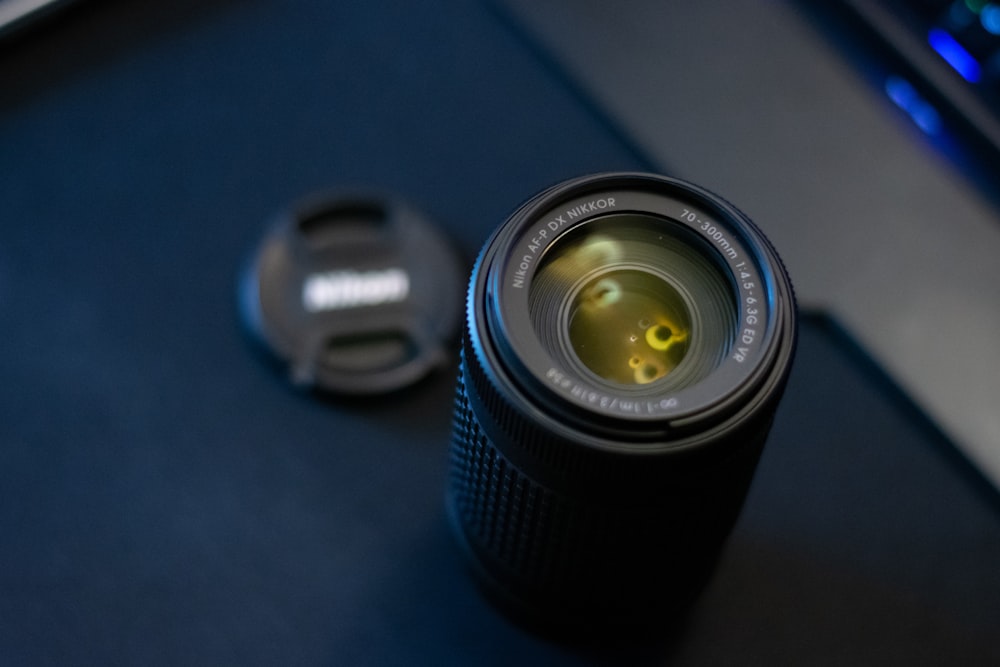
point(627, 339)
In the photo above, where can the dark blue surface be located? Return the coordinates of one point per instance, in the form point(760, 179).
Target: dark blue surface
point(165, 498)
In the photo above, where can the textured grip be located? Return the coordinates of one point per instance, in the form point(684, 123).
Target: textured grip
point(572, 558)
point(568, 558)
point(506, 516)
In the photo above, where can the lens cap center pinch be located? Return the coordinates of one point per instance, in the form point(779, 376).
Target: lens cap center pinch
point(356, 293)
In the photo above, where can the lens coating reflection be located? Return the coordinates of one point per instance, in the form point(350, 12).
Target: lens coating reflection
point(634, 301)
point(629, 326)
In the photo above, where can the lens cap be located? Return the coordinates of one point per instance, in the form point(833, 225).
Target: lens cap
point(357, 293)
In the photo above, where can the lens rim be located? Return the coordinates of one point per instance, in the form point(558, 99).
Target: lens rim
point(499, 302)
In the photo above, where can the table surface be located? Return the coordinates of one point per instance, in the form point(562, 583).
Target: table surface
point(167, 498)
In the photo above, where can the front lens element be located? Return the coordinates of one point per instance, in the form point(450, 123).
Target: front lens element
point(636, 301)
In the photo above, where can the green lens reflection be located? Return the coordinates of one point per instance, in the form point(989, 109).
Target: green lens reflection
point(629, 326)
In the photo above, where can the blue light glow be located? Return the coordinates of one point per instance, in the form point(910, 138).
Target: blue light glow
point(990, 18)
point(906, 97)
point(955, 55)
point(900, 91)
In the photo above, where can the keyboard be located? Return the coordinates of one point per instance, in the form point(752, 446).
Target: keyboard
point(944, 64)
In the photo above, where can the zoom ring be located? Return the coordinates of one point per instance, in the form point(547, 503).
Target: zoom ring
point(532, 533)
point(541, 546)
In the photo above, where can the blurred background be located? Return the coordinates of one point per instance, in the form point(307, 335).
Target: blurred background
point(167, 498)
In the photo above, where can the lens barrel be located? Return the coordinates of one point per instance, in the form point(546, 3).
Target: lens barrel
point(627, 340)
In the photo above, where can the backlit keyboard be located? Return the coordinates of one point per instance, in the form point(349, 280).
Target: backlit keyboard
point(949, 59)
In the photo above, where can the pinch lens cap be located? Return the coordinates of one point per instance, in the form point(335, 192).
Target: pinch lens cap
point(356, 293)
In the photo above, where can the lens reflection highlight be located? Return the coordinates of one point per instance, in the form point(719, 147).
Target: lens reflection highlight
point(629, 327)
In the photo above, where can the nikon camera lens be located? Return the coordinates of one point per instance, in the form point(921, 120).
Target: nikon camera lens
point(627, 340)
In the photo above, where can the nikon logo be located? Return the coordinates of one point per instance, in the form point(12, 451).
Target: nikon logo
point(336, 290)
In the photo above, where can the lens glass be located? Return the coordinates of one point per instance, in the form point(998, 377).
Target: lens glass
point(635, 302)
point(629, 326)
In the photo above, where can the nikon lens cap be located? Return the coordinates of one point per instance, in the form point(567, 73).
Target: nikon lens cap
point(356, 293)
